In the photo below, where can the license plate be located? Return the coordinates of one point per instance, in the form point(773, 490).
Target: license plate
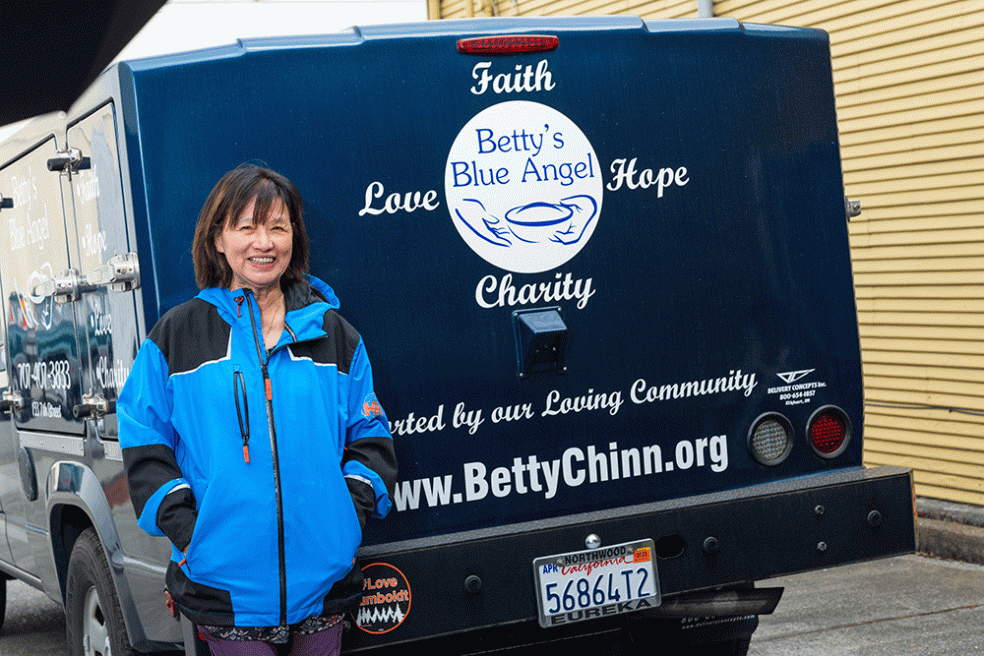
point(584, 585)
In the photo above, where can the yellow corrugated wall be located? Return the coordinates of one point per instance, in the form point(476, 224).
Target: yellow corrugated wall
point(644, 8)
point(909, 78)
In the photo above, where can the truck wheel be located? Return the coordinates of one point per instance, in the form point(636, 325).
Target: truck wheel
point(95, 620)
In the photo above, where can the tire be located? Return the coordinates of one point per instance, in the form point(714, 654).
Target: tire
point(95, 620)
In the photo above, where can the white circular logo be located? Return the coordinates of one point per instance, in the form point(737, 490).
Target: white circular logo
point(523, 186)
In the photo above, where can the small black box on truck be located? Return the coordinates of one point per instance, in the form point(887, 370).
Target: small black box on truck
point(602, 269)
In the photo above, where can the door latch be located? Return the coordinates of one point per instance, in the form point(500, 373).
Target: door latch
point(120, 274)
point(69, 160)
point(10, 401)
point(93, 406)
point(67, 286)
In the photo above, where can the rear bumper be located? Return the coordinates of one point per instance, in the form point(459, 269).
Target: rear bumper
point(484, 578)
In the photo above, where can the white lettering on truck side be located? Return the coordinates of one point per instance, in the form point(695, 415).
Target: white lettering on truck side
point(395, 203)
point(626, 174)
point(642, 392)
point(87, 190)
point(500, 292)
point(557, 405)
point(523, 78)
point(575, 467)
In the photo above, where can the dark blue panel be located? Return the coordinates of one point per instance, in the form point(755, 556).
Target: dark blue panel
point(700, 251)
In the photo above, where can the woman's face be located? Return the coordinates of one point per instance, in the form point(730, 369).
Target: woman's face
point(257, 253)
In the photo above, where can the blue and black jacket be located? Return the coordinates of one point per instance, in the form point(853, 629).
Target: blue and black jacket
point(263, 466)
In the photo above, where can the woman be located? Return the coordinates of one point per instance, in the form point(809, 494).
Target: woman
point(251, 434)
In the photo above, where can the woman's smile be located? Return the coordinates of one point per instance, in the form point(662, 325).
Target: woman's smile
point(258, 251)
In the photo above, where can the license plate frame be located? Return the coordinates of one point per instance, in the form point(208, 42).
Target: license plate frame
point(620, 578)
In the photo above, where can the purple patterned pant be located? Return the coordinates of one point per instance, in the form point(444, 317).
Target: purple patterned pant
point(323, 643)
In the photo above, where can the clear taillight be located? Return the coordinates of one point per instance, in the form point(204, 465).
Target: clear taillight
point(771, 439)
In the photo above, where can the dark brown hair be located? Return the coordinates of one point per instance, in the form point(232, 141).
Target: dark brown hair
point(230, 196)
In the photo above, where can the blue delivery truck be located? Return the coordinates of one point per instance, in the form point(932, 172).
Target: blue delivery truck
point(601, 266)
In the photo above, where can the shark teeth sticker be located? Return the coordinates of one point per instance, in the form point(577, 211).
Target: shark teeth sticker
point(385, 599)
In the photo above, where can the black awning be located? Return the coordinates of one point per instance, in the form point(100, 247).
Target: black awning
point(52, 50)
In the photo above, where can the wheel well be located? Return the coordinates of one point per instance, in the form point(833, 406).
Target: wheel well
point(67, 522)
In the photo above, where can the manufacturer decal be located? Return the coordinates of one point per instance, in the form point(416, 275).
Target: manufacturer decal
point(792, 376)
point(523, 186)
point(794, 392)
point(385, 599)
point(691, 623)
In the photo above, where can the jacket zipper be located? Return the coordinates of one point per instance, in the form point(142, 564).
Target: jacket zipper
point(268, 392)
point(239, 384)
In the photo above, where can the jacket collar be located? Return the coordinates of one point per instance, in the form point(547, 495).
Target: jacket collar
point(302, 294)
point(307, 301)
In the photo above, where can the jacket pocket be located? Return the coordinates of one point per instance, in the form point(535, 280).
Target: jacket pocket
point(345, 595)
point(201, 603)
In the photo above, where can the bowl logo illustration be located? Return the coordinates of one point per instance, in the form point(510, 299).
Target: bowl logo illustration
point(523, 186)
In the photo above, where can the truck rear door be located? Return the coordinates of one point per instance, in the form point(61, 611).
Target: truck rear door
point(44, 359)
point(601, 269)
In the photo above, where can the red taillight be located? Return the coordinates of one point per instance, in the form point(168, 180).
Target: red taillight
point(507, 45)
point(828, 432)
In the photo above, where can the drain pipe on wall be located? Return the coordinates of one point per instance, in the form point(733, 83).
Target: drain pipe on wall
point(705, 8)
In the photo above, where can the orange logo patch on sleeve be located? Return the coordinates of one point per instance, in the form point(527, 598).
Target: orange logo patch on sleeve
point(371, 407)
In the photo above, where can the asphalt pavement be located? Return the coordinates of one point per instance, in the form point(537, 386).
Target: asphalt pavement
point(908, 606)
point(34, 626)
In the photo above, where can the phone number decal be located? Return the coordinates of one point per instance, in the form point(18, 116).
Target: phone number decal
point(54, 375)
